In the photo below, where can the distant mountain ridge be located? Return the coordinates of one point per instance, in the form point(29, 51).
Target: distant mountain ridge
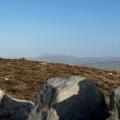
point(102, 62)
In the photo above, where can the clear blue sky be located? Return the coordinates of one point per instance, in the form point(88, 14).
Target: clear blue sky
point(76, 27)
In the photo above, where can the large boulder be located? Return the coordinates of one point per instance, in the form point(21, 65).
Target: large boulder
point(72, 98)
point(14, 109)
point(115, 104)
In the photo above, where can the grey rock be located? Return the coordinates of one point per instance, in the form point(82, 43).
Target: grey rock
point(14, 109)
point(72, 98)
point(115, 104)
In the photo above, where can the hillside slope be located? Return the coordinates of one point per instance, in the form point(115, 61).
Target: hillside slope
point(23, 79)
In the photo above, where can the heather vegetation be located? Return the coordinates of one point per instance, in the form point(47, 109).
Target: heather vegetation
point(23, 78)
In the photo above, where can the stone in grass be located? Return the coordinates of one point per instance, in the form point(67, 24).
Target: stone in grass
point(14, 109)
point(72, 98)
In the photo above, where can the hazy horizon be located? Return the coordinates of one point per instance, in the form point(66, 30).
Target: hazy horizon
point(30, 53)
point(86, 28)
point(26, 53)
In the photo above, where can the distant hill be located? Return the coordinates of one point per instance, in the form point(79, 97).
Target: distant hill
point(102, 62)
point(113, 65)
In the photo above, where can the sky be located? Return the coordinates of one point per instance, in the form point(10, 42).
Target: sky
point(87, 28)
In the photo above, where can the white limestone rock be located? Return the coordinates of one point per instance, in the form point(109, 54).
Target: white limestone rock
point(115, 104)
point(72, 98)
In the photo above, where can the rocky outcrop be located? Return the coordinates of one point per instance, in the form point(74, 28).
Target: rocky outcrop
point(115, 104)
point(14, 109)
point(72, 98)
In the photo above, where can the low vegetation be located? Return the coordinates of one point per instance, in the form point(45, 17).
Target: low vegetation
point(23, 78)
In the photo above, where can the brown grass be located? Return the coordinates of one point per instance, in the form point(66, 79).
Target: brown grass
point(23, 79)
